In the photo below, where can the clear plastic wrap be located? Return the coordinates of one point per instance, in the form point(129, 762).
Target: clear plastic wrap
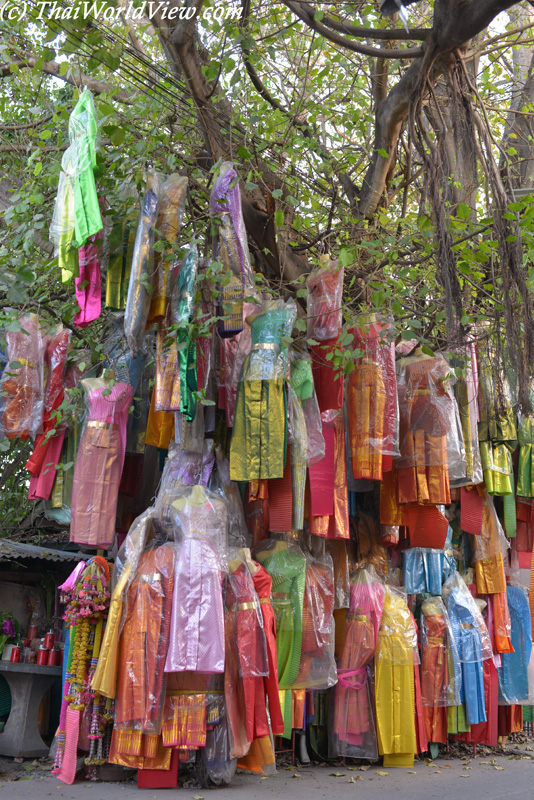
point(233, 353)
point(317, 663)
point(258, 445)
point(426, 411)
point(395, 659)
point(325, 295)
point(238, 535)
point(470, 633)
point(397, 635)
point(99, 462)
point(286, 564)
point(525, 470)
point(190, 435)
point(489, 550)
point(466, 393)
point(140, 287)
point(77, 214)
point(185, 379)
point(497, 430)
point(353, 726)
point(170, 217)
point(22, 388)
point(369, 548)
point(513, 672)
point(301, 382)
point(247, 621)
point(200, 522)
point(338, 550)
point(440, 666)
point(422, 570)
point(182, 468)
point(144, 642)
point(371, 400)
point(225, 204)
point(47, 448)
point(216, 755)
point(456, 456)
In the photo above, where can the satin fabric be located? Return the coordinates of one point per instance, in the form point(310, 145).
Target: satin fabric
point(513, 672)
point(22, 385)
point(88, 283)
point(287, 569)
point(119, 266)
point(336, 524)
point(328, 379)
point(83, 130)
point(435, 675)
point(259, 436)
point(353, 722)
point(197, 625)
point(98, 467)
point(469, 647)
point(395, 690)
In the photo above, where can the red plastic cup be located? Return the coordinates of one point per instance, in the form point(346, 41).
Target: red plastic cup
point(15, 654)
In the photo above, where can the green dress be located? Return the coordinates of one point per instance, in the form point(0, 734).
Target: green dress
point(287, 569)
point(259, 437)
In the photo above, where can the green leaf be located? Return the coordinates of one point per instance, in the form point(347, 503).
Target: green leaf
point(383, 153)
point(463, 211)
point(38, 168)
point(243, 153)
point(277, 193)
point(278, 218)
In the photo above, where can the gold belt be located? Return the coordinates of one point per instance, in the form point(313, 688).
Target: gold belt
point(467, 625)
point(265, 346)
point(358, 617)
point(149, 577)
point(98, 423)
point(435, 640)
point(281, 595)
point(265, 599)
point(25, 363)
point(245, 606)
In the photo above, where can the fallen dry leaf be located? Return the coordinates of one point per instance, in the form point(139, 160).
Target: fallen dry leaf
point(291, 769)
point(364, 767)
point(411, 772)
point(437, 772)
point(296, 775)
point(465, 776)
point(338, 774)
point(445, 766)
point(352, 779)
point(352, 769)
point(197, 797)
point(382, 773)
point(496, 767)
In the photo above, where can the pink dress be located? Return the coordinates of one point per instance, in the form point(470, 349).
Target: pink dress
point(98, 468)
point(197, 622)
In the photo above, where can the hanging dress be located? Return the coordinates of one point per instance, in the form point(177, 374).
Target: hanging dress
point(98, 468)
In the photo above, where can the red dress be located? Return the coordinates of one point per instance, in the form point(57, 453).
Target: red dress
point(263, 584)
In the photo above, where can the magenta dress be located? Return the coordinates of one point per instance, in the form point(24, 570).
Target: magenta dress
point(197, 620)
point(98, 468)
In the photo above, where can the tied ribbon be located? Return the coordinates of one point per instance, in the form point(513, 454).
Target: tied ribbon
point(348, 678)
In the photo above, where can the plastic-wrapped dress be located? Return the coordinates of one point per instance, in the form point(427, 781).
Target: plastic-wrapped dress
point(121, 245)
point(144, 641)
point(246, 658)
point(325, 294)
point(197, 625)
point(489, 551)
point(513, 672)
point(259, 437)
point(232, 248)
point(287, 568)
point(372, 412)
point(88, 283)
point(47, 449)
point(472, 644)
point(422, 569)
point(301, 381)
point(354, 726)
point(466, 393)
point(426, 415)
point(497, 434)
point(329, 508)
point(22, 390)
point(317, 664)
point(182, 468)
point(139, 289)
point(170, 215)
point(440, 669)
point(525, 436)
point(395, 690)
point(99, 464)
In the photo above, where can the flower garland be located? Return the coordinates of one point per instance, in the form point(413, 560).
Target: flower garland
point(86, 601)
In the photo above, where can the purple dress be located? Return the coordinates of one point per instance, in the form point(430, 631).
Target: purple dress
point(197, 619)
point(98, 468)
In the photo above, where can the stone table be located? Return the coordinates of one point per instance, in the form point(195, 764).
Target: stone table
point(28, 683)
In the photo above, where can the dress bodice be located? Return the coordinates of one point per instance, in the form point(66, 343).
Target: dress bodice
point(206, 523)
point(271, 326)
point(113, 406)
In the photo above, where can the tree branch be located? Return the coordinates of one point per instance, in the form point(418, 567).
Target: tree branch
point(349, 29)
point(53, 68)
point(309, 18)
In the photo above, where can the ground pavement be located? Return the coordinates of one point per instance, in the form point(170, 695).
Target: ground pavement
point(488, 776)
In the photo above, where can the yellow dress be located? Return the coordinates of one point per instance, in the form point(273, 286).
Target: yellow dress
point(395, 691)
